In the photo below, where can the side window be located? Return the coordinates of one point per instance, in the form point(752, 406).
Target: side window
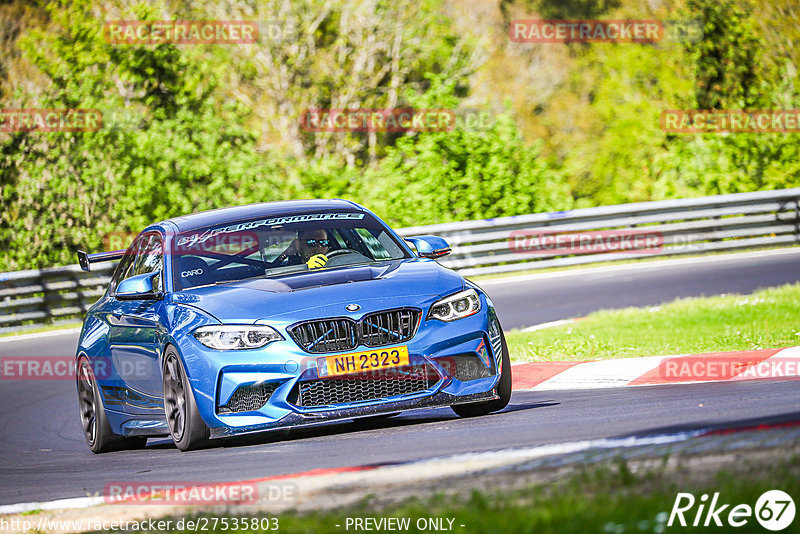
point(124, 269)
point(144, 256)
point(150, 257)
point(381, 247)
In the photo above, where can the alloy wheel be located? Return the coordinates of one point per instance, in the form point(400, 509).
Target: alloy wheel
point(174, 397)
point(88, 402)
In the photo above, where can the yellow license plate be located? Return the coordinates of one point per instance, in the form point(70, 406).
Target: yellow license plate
point(362, 362)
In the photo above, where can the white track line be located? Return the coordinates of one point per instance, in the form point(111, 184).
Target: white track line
point(61, 504)
point(551, 324)
point(37, 335)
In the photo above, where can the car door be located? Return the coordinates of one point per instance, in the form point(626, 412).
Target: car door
point(136, 332)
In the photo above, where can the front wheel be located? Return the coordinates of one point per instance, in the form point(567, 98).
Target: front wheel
point(503, 390)
point(186, 427)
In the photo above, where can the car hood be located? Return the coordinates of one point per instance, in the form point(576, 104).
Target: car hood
point(416, 282)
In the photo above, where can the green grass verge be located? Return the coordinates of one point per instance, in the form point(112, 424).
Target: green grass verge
point(766, 319)
point(614, 497)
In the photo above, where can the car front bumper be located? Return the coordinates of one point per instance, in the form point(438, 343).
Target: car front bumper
point(215, 377)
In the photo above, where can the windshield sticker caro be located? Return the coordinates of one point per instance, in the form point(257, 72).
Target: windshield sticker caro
point(208, 234)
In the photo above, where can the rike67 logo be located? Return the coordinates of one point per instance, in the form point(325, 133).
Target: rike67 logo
point(774, 510)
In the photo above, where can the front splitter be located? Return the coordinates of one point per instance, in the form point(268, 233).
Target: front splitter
point(301, 420)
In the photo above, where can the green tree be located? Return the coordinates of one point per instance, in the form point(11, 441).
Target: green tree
point(733, 69)
point(167, 147)
point(728, 58)
point(467, 173)
point(344, 54)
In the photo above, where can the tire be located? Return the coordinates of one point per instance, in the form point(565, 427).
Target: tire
point(503, 388)
point(186, 427)
point(94, 422)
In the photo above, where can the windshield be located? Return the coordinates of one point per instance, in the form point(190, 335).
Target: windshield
point(279, 246)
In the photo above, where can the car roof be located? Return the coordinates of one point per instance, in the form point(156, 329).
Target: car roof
point(265, 209)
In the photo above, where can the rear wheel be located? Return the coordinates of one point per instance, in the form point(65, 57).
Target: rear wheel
point(503, 389)
point(94, 422)
point(186, 427)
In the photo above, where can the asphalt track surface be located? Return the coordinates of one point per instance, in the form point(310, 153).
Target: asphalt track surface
point(44, 456)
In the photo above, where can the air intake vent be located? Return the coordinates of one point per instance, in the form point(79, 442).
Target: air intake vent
point(249, 398)
point(372, 386)
point(465, 367)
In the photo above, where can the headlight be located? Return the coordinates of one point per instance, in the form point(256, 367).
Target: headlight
point(234, 336)
point(462, 304)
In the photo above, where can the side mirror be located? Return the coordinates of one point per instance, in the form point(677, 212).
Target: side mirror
point(430, 246)
point(139, 287)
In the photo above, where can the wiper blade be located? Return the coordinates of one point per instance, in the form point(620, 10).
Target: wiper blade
point(220, 282)
point(301, 269)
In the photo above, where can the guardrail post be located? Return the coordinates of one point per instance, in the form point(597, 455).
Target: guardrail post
point(79, 292)
point(797, 218)
point(48, 296)
point(785, 204)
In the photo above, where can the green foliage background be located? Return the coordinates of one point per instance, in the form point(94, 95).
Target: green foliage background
point(195, 127)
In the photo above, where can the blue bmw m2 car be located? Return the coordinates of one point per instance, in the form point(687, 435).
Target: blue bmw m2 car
point(280, 315)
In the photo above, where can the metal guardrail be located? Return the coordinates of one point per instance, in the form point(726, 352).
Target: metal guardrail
point(47, 295)
point(686, 226)
point(489, 246)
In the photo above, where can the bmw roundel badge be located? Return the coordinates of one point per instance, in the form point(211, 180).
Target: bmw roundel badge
point(352, 307)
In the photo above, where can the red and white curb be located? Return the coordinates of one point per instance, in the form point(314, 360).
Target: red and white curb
point(652, 370)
